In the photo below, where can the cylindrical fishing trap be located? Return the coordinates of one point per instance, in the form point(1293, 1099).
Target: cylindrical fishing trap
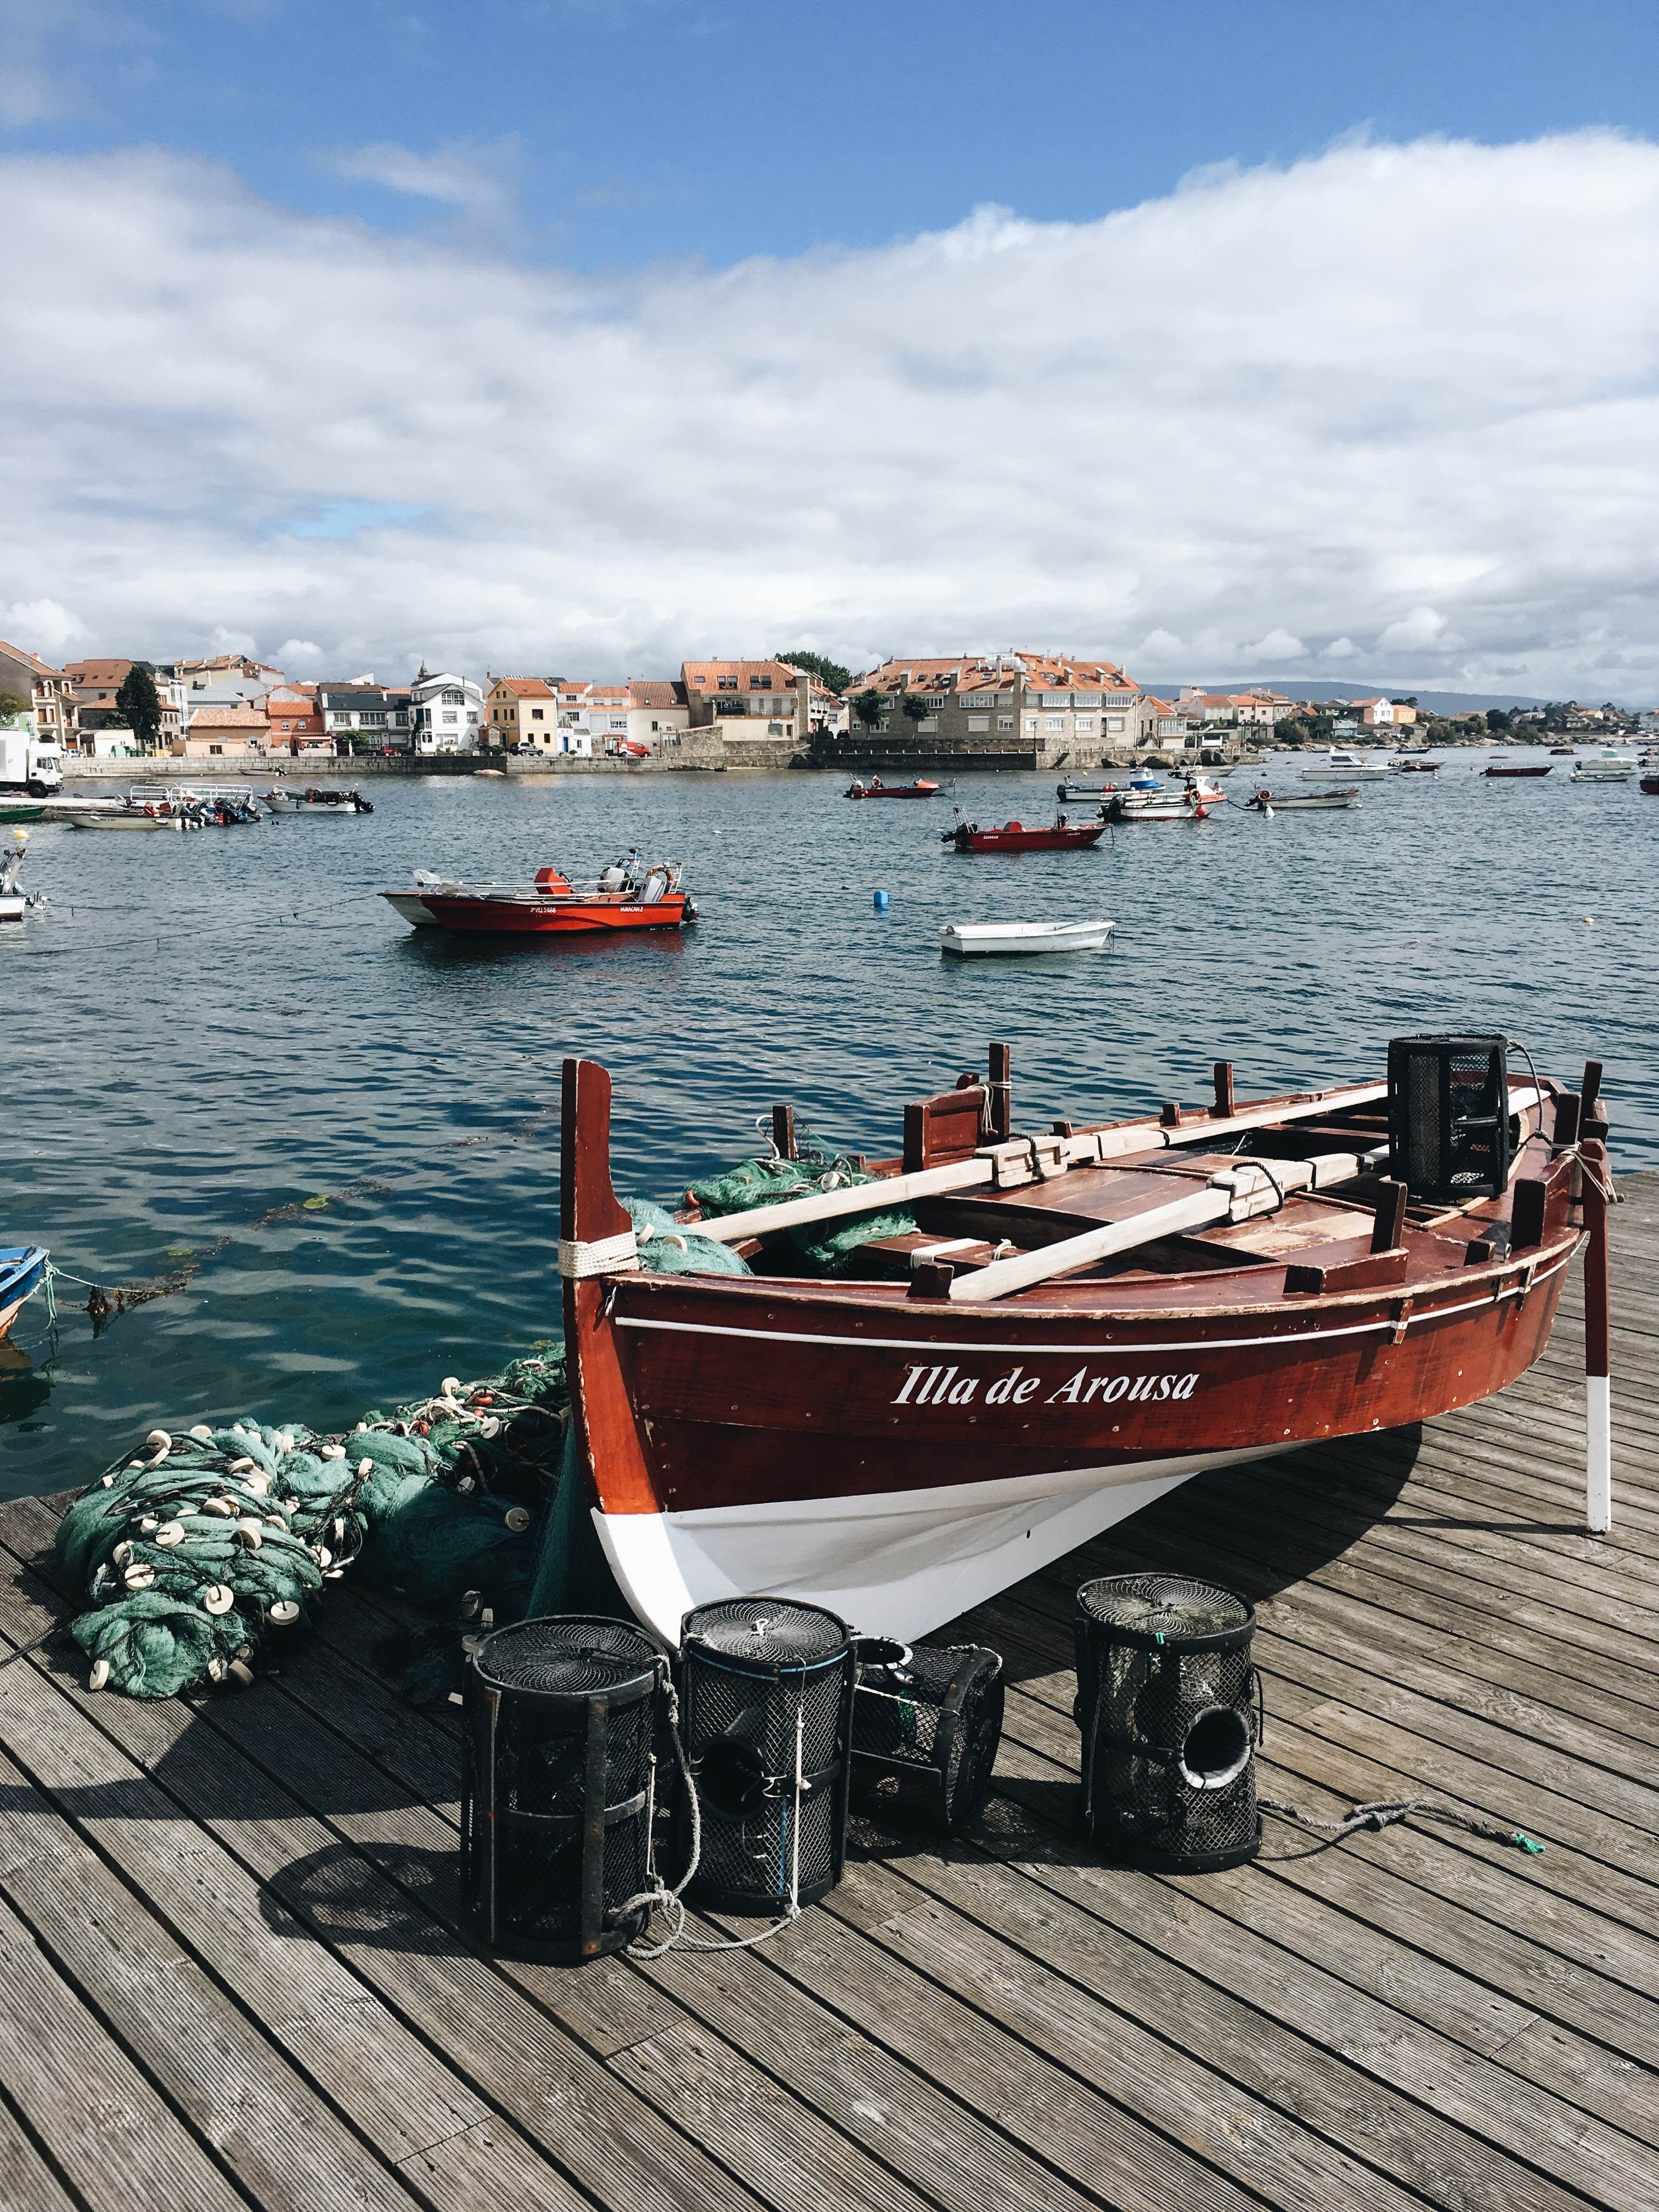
point(927, 1722)
point(766, 1706)
point(1448, 1116)
point(1169, 1707)
point(557, 1793)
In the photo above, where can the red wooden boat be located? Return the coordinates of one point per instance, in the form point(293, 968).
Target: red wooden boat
point(628, 897)
point(1081, 1322)
point(1015, 837)
point(876, 789)
point(1541, 768)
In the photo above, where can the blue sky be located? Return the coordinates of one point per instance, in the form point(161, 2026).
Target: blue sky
point(621, 132)
point(1308, 341)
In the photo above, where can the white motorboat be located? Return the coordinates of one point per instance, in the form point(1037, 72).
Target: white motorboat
point(164, 815)
point(1343, 765)
point(1299, 802)
point(317, 803)
point(15, 901)
point(972, 940)
point(1604, 767)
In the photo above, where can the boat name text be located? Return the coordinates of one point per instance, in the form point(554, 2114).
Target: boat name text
point(947, 1386)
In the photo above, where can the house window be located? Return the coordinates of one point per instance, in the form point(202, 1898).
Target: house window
point(978, 722)
point(777, 729)
point(618, 722)
point(1056, 698)
point(1114, 723)
point(938, 699)
point(535, 715)
point(1085, 726)
point(1055, 721)
point(449, 718)
point(1005, 721)
point(1030, 725)
point(1088, 698)
point(725, 682)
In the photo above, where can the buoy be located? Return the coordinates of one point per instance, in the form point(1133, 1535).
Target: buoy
point(325, 1557)
point(218, 1598)
point(1590, 921)
point(241, 1672)
point(469, 1603)
point(256, 1484)
point(239, 1466)
point(169, 1533)
point(149, 1525)
point(159, 1436)
point(250, 1534)
point(489, 1426)
point(215, 1668)
point(139, 1575)
point(108, 1480)
point(881, 901)
point(449, 1386)
point(202, 1434)
point(121, 1555)
point(365, 1468)
point(1266, 814)
point(282, 1613)
point(517, 1518)
point(99, 1675)
point(224, 1508)
point(333, 1451)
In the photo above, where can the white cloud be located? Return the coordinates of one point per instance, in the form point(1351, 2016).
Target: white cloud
point(863, 446)
point(41, 627)
point(479, 181)
point(1278, 645)
point(296, 656)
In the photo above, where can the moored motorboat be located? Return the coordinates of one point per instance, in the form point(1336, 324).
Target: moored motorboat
point(629, 897)
point(1348, 767)
point(1650, 785)
point(921, 788)
point(974, 940)
point(15, 901)
point(129, 814)
point(1264, 801)
point(317, 802)
point(1401, 765)
point(1604, 767)
point(1015, 836)
point(1077, 1323)
point(1527, 770)
point(1189, 807)
point(22, 1270)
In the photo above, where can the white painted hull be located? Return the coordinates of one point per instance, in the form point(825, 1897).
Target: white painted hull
point(1601, 776)
point(13, 906)
point(1346, 774)
point(413, 910)
point(280, 802)
point(124, 822)
point(893, 1563)
point(974, 940)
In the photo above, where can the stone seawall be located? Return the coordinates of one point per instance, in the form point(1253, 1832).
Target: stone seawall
point(678, 761)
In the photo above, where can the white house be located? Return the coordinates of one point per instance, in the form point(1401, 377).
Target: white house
point(445, 713)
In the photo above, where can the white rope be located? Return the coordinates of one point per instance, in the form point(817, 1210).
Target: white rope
point(604, 1255)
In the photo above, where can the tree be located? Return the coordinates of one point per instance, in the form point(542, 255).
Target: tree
point(1555, 716)
point(1324, 728)
point(916, 709)
point(1292, 730)
point(138, 700)
point(869, 706)
point(1410, 701)
point(1497, 721)
point(12, 708)
point(829, 674)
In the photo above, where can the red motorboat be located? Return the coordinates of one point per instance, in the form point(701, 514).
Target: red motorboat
point(1015, 837)
point(1078, 1321)
point(1541, 768)
point(627, 897)
point(876, 789)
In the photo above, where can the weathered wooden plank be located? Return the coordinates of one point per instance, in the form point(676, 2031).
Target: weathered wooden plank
point(27, 2183)
point(108, 2132)
point(274, 2134)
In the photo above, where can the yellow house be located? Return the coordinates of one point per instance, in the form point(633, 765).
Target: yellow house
point(520, 710)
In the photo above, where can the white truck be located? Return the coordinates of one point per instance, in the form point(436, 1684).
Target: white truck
point(28, 763)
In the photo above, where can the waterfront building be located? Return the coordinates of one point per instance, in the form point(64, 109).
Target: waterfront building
point(445, 713)
point(294, 722)
point(766, 702)
point(365, 711)
point(522, 710)
point(230, 730)
point(23, 673)
point(1038, 709)
point(1381, 713)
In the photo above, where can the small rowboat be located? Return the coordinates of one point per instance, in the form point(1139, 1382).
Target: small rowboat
point(1189, 807)
point(1079, 1320)
point(22, 1270)
point(1528, 770)
point(876, 789)
point(1015, 837)
point(1299, 802)
point(627, 899)
point(972, 940)
point(162, 814)
point(22, 810)
point(1414, 767)
point(318, 803)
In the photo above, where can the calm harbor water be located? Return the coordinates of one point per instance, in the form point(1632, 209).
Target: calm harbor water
point(225, 1053)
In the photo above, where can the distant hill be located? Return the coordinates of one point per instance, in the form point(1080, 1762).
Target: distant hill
point(1430, 702)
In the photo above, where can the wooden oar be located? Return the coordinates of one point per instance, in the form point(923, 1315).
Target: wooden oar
point(1089, 1147)
point(1236, 1194)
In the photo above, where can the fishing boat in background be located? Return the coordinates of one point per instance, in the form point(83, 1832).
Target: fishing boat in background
point(1080, 1319)
point(130, 814)
point(1529, 769)
point(1567, 750)
point(1402, 766)
point(1015, 837)
point(1343, 764)
point(971, 940)
point(628, 897)
point(1650, 785)
point(876, 789)
point(22, 1270)
point(1604, 767)
point(1187, 806)
point(1299, 802)
point(317, 802)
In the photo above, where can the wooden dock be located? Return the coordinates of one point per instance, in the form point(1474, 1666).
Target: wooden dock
point(230, 1974)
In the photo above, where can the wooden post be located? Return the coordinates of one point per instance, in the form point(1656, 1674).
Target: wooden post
point(1000, 1086)
point(1223, 1109)
point(1598, 1366)
point(783, 1132)
point(1389, 1223)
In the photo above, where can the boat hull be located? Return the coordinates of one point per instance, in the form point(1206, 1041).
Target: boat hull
point(841, 1445)
point(1301, 802)
point(578, 917)
point(21, 1272)
point(122, 821)
point(1028, 841)
point(982, 940)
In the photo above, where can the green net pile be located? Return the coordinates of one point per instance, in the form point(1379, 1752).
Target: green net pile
point(826, 1247)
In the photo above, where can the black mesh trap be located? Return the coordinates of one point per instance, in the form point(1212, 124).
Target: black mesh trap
point(766, 1698)
point(1448, 1116)
point(1169, 1708)
point(561, 1720)
point(927, 1722)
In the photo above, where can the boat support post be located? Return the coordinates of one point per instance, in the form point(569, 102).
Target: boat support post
point(1598, 1365)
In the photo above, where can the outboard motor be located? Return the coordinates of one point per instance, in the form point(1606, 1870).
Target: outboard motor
point(1448, 1117)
